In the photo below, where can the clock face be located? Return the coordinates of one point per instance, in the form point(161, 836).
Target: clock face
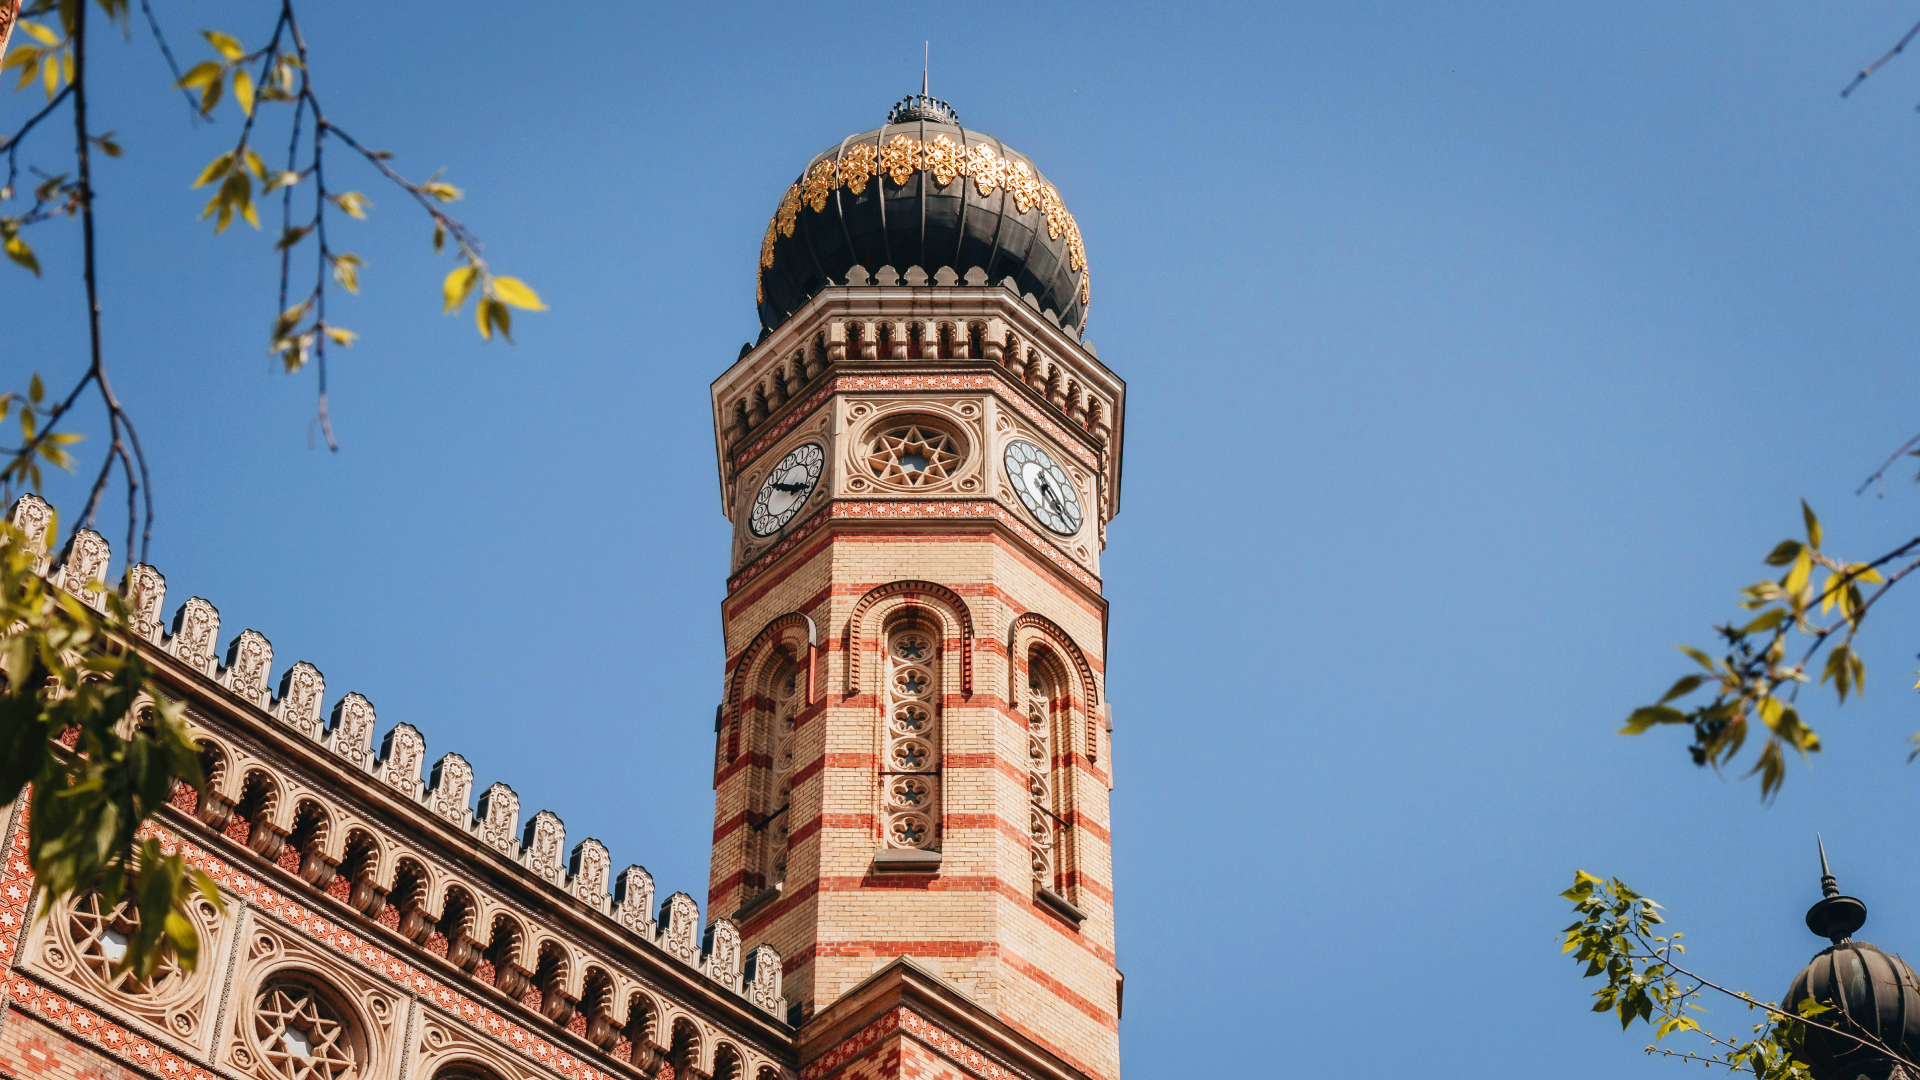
point(786, 489)
point(1043, 486)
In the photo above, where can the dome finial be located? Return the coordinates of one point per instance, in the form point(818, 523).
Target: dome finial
point(1834, 917)
point(923, 106)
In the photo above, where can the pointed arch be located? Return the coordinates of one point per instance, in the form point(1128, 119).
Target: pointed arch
point(862, 639)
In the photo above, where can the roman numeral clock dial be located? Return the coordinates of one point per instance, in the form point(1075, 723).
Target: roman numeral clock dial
point(785, 490)
point(1043, 487)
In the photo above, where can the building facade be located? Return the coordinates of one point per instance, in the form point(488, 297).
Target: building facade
point(911, 870)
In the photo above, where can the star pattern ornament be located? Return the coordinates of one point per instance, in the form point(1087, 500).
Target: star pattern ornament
point(299, 1035)
point(914, 456)
point(101, 937)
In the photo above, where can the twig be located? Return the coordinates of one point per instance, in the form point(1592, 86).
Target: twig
point(1875, 66)
point(1880, 474)
point(153, 24)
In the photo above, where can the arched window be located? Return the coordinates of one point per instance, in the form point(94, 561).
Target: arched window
point(302, 1033)
point(786, 696)
point(1048, 710)
point(910, 766)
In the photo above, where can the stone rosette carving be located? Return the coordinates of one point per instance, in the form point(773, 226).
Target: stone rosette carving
point(351, 734)
point(499, 819)
point(83, 568)
point(762, 974)
point(588, 870)
point(33, 517)
point(721, 953)
point(249, 663)
point(450, 790)
point(195, 627)
point(633, 901)
point(679, 921)
point(302, 691)
point(402, 754)
point(541, 846)
point(145, 591)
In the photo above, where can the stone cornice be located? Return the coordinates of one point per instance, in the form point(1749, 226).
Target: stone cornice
point(779, 378)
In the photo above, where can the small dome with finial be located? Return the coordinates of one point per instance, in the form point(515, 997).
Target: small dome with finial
point(921, 193)
point(1875, 996)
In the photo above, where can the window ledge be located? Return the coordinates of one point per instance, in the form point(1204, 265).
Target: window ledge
point(1060, 906)
point(905, 861)
point(756, 902)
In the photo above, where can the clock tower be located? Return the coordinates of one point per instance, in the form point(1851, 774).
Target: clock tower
point(913, 755)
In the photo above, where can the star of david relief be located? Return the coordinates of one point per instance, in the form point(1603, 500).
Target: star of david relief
point(914, 455)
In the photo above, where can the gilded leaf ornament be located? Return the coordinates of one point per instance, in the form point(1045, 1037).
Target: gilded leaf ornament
point(1057, 217)
point(900, 159)
point(789, 211)
point(819, 184)
point(902, 156)
point(987, 169)
point(1023, 186)
point(943, 159)
point(857, 167)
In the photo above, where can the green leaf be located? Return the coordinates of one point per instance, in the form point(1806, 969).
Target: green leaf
point(1644, 718)
point(39, 33)
point(1699, 657)
point(259, 167)
point(1767, 621)
point(515, 292)
point(1783, 553)
point(340, 335)
point(1813, 525)
point(226, 46)
point(1687, 684)
point(1802, 569)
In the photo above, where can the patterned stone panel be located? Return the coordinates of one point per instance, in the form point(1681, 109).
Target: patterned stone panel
point(195, 626)
point(145, 591)
point(499, 818)
point(545, 838)
point(402, 753)
point(83, 568)
point(31, 1049)
point(249, 665)
point(351, 735)
point(302, 691)
point(450, 790)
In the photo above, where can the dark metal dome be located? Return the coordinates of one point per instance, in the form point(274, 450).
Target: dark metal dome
point(1875, 996)
point(923, 191)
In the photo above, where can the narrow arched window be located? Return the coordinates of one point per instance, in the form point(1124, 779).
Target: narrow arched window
point(786, 696)
point(910, 767)
point(1048, 709)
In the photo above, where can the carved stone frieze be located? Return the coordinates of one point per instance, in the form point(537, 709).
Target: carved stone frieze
point(450, 790)
point(500, 819)
point(351, 734)
point(302, 692)
point(195, 626)
point(83, 568)
point(545, 838)
point(249, 664)
point(402, 754)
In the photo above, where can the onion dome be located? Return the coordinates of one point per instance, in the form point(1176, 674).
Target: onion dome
point(922, 191)
point(1875, 997)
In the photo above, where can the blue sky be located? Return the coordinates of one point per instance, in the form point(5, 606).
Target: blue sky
point(1475, 354)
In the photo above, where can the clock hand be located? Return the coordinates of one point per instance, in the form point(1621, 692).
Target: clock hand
point(1047, 490)
point(790, 487)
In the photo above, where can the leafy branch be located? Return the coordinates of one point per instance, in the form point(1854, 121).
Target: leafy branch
point(99, 747)
point(1747, 680)
point(1614, 936)
point(280, 73)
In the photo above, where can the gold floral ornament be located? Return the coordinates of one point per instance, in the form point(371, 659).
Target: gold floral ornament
point(900, 159)
point(1076, 248)
point(1058, 219)
point(1023, 185)
point(1086, 289)
point(857, 166)
point(987, 169)
point(944, 160)
point(819, 184)
point(789, 211)
point(766, 245)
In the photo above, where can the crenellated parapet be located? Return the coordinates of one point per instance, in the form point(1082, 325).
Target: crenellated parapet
point(888, 320)
point(503, 900)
